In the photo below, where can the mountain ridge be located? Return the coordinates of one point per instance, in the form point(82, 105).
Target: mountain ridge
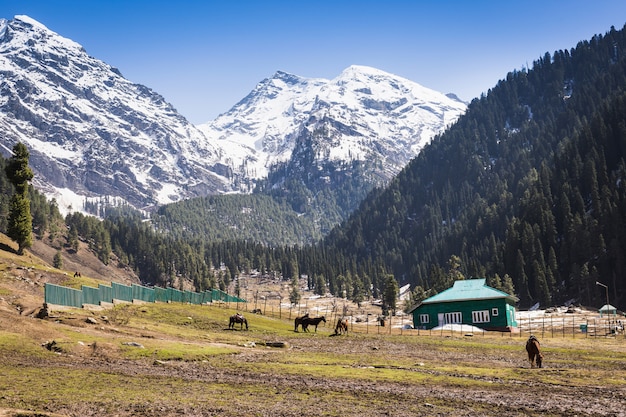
point(349, 100)
point(84, 123)
point(95, 136)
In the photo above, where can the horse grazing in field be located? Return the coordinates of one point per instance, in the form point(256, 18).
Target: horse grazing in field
point(237, 318)
point(298, 322)
point(313, 321)
point(534, 352)
point(342, 326)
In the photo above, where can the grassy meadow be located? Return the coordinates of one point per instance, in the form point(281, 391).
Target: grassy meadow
point(175, 359)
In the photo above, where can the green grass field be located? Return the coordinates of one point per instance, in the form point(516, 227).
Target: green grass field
point(175, 359)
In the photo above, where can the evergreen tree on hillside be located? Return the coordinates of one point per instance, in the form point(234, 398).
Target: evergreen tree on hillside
point(294, 294)
point(390, 295)
point(20, 222)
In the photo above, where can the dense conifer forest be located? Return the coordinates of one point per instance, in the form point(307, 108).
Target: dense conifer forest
point(527, 189)
point(528, 185)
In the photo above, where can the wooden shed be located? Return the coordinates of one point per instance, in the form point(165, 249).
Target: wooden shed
point(470, 302)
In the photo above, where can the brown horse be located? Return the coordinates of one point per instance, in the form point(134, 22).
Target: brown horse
point(298, 322)
point(534, 352)
point(313, 321)
point(342, 326)
point(237, 318)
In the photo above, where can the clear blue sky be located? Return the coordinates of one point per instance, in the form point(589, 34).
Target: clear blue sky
point(203, 56)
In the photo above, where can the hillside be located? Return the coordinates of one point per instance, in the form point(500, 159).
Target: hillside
point(528, 184)
point(255, 217)
point(25, 276)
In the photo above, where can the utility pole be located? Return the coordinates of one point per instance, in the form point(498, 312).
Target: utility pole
point(607, 298)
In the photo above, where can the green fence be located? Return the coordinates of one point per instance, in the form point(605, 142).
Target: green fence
point(106, 293)
point(122, 292)
point(91, 295)
point(59, 295)
point(55, 294)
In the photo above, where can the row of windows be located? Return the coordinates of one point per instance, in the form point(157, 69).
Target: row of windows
point(480, 316)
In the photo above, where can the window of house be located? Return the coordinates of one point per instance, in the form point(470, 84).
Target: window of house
point(424, 318)
point(481, 316)
point(454, 318)
point(494, 312)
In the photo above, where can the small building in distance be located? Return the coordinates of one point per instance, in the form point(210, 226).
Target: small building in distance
point(607, 310)
point(470, 302)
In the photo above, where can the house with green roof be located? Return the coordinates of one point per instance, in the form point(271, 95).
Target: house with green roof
point(470, 302)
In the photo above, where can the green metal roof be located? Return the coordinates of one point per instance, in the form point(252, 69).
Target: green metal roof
point(469, 289)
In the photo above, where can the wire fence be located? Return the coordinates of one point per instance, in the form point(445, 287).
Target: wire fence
point(364, 321)
point(360, 320)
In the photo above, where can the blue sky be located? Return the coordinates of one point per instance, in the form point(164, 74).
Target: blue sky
point(203, 56)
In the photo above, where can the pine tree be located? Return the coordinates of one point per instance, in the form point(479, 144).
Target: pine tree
point(294, 295)
point(390, 295)
point(507, 285)
point(57, 262)
point(20, 222)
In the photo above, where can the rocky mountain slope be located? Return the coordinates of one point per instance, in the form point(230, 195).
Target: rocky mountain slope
point(92, 132)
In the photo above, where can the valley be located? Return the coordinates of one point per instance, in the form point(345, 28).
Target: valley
point(177, 359)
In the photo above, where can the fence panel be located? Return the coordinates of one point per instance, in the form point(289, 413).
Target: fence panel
point(175, 295)
point(573, 326)
point(91, 295)
point(143, 293)
point(106, 293)
point(122, 292)
point(56, 294)
point(207, 297)
point(161, 294)
point(59, 295)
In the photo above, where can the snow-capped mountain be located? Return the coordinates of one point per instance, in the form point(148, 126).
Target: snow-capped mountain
point(93, 133)
point(90, 131)
point(365, 114)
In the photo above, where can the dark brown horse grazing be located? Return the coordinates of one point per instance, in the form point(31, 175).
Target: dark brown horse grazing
point(342, 326)
point(237, 318)
point(298, 322)
point(534, 352)
point(313, 321)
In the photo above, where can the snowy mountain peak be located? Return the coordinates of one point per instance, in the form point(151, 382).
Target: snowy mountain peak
point(367, 113)
point(359, 71)
point(92, 133)
point(30, 31)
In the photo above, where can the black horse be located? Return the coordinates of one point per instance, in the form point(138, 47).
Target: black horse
point(237, 318)
point(298, 322)
point(313, 321)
